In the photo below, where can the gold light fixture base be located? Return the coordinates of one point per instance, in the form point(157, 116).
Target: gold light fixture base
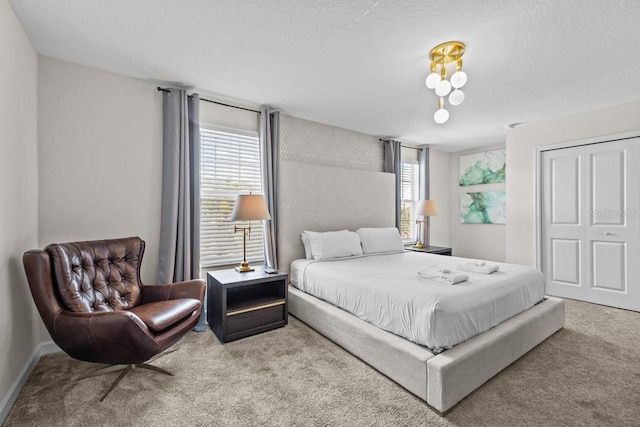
point(447, 52)
point(244, 268)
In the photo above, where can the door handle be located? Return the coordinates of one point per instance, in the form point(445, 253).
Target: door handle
point(607, 233)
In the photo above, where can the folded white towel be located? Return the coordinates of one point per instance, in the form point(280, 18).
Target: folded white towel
point(479, 267)
point(434, 269)
point(443, 276)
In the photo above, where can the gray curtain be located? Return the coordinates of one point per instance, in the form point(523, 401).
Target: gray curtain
point(423, 187)
point(270, 158)
point(179, 257)
point(392, 164)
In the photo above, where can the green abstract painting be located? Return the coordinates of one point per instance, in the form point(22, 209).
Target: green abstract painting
point(485, 207)
point(488, 167)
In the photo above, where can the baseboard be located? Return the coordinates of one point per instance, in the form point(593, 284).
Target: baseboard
point(9, 399)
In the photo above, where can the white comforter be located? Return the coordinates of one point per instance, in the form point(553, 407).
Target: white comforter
point(386, 291)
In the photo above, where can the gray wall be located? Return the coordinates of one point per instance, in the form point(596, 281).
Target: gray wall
point(440, 192)
point(100, 157)
point(20, 327)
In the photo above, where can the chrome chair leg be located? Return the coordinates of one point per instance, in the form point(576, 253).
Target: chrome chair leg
point(128, 368)
point(115, 383)
point(107, 370)
point(153, 368)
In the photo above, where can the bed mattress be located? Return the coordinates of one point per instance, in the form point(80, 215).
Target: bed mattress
point(386, 291)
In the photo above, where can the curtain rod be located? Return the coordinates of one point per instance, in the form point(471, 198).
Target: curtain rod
point(403, 146)
point(160, 89)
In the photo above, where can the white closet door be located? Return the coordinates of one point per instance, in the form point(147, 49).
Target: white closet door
point(591, 223)
point(563, 196)
point(613, 226)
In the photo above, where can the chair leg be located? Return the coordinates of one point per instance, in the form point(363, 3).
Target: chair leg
point(163, 354)
point(107, 370)
point(153, 368)
point(115, 383)
point(126, 369)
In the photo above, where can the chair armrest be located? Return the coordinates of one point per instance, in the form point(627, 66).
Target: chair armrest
point(187, 289)
point(116, 337)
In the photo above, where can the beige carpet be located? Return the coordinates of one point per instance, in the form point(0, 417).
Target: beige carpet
point(586, 374)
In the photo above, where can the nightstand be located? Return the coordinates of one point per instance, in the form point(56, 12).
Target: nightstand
point(438, 250)
point(244, 304)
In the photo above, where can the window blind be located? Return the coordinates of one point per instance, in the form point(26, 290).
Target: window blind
point(230, 165)
point(409, 200)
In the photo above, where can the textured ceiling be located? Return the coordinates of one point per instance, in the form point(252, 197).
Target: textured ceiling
point(361, 64)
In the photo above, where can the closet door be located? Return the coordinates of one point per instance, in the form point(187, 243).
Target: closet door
point(613, 224)
point(591, 223)
point(563, 205)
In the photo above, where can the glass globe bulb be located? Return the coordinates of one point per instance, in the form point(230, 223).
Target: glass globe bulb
point(432, 80)
point(441, 116)
point(458, 79)
point(456, 97)
point(443, 88)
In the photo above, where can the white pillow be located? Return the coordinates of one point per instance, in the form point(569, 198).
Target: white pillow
point(334, 244)
point(307, 245)
point(380, 240)
point(308, 254)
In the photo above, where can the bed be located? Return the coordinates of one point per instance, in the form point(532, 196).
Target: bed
point(386, 291)
point(441, 380)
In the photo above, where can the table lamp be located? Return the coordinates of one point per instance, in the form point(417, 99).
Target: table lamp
point(248, 207)
point(425, 209)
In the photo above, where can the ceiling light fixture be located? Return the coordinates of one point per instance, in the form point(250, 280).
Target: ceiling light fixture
point(440, 56)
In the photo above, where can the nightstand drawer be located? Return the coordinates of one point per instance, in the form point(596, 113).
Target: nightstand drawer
point(255, 319)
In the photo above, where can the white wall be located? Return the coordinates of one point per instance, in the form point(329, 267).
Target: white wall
point(100, 157)
point(227, 117)
point(21, 329)
point(439, 191)
point(480, 241)
point(521, 147)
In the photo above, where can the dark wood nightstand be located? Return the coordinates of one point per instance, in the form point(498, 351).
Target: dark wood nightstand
point(438, 250)
point(244, 304)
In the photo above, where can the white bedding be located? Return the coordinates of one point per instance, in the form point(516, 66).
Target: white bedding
point(386, 291)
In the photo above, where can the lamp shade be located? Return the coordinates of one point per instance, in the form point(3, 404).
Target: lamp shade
point(250, 207)
point(426, 208)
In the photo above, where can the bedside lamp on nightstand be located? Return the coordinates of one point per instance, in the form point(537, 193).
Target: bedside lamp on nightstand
point(425, 209)
point(248, 207)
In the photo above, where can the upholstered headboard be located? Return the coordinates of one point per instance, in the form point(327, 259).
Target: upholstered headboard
point(322, 198)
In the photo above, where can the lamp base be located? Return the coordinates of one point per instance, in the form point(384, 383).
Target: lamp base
point(419, 245)
point(244, 268)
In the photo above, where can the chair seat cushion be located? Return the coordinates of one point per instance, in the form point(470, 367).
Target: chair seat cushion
point(160, 315)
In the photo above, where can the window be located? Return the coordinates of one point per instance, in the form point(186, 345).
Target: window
point(230, 165)
point(408, 200)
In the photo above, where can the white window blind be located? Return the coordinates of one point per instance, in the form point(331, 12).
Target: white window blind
point(230, 165)
point(409, 200)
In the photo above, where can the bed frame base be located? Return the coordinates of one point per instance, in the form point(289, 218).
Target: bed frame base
point(441, 380)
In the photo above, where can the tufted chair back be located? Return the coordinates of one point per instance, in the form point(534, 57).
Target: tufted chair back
point(98, 276)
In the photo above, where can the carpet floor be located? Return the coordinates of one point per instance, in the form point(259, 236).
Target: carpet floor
point(587, 374)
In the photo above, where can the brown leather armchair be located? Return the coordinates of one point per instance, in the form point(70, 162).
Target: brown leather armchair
point(96, 309)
